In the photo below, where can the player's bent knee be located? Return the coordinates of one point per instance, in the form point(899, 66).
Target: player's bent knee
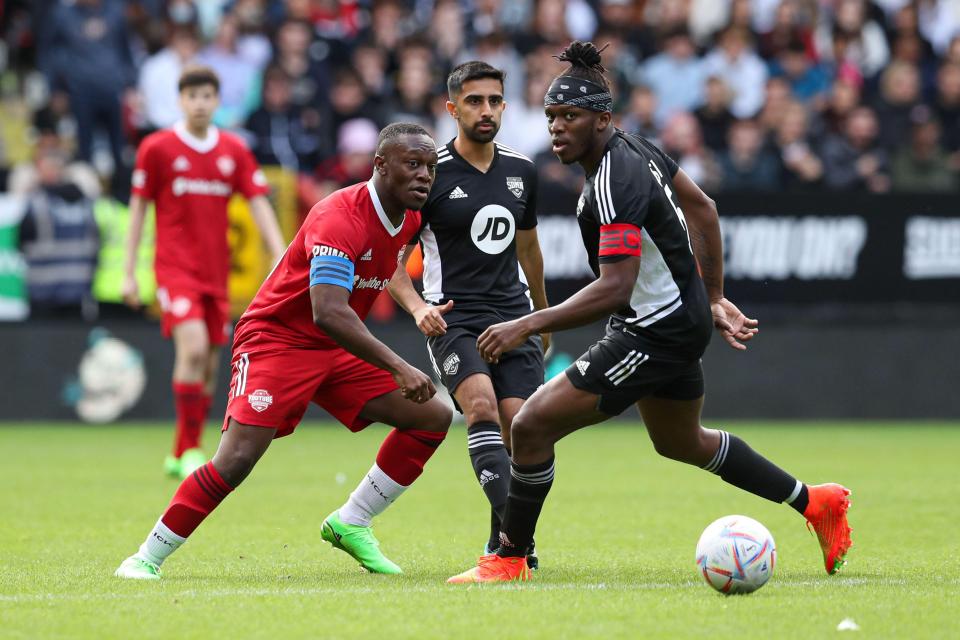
point(481, 409)
point(441, 416)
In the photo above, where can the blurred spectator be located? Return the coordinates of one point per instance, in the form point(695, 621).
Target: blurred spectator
point(802, 168)
point(741, 69)
point(524, 126)
point(370, 63)
point(899, 94)
point(25, 178)
point(415, 86)
point(446, 31)
point(83, 49)
point(161, 72)
point(683, 142)
point(855, 160)
point(676, 76)
point(304, 62)
point(54, 118)
point(947, 105)
point(865, 40)
point(788, 27)
point(923, 166)
point(844, 98)
point(639, 114)
point(239, 86)
point(59, 239)
point(714, 116)
point(349, 99)
point(808, 80)
point(498, 52)
point(624, 17)
point(283, 133)
point(747, 165)
point(778, 96)
point(353, 163)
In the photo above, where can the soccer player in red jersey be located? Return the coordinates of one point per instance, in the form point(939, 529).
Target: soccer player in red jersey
point(302, 339)
point(191, 171)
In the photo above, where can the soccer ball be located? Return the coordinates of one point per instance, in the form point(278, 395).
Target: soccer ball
point(736, 554)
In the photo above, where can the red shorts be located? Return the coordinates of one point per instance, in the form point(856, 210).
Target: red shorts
point(272, 388)
point(181, 304)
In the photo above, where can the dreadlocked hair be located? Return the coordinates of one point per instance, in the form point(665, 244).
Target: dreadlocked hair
point(585, 62)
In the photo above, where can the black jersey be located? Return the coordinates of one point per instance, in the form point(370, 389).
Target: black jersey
point(469, 227)
point(669, 312)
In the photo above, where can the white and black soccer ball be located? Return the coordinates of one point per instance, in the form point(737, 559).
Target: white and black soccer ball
point(736, 554)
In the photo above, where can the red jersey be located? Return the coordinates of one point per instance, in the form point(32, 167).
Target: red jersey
point(191, 181)
point(349, 228)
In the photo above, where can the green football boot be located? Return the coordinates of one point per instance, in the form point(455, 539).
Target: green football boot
point(136, 568)
point(171, 466)
point(190, 461)
point(358, 542)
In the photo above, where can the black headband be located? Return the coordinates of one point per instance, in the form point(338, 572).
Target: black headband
point(578, 92)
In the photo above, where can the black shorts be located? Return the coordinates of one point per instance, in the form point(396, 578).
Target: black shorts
point(455, 357)
point(620, 373)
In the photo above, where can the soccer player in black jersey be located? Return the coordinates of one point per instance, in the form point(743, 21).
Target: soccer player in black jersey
point(478, 222)
point(646, 227)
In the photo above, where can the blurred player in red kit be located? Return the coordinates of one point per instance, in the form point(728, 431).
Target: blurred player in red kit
point(303, 340)
point(190, 172)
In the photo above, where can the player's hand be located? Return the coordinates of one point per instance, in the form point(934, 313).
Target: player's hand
point(735, 327)
point(414, 384)
point(430, 320)
point(502, 337)
point(130, 291)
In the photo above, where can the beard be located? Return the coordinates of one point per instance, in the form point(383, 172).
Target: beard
point(482, 136)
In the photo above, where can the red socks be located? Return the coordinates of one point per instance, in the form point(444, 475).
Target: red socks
point(196, 497)
point(192, 405)
point(403, 453)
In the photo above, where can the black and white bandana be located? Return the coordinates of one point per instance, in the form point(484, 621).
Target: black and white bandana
point(578, 92)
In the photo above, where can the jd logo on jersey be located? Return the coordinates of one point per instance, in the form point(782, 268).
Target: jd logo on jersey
point(492, 229)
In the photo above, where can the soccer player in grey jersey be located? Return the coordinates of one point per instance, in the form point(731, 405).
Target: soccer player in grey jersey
point(482, 265)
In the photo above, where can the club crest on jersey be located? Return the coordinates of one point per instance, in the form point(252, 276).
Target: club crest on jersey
point(515, 185)
point(260, 400)
point(451, 364)
point(181, 164)
point(226, 165)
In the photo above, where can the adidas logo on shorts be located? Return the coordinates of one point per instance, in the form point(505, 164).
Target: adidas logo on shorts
point(458, 193)
point(582, 366)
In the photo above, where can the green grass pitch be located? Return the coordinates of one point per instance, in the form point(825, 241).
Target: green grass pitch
point(616, 541)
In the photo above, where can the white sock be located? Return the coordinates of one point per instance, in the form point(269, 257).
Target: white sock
point(373, 495)
point(159, 544)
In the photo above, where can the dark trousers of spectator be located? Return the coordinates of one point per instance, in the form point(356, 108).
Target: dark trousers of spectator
point(96, 109)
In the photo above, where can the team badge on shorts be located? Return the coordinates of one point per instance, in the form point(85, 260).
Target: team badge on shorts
point(260, 400)
point(452, 364)
point(515, 185)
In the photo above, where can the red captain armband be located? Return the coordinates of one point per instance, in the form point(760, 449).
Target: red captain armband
point(619, 240)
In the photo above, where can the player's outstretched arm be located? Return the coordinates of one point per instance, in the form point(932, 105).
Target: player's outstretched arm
point(703, 225)
point(429, 318)
point(531, 261)
point(130, 288)
point(266, 220)
point(333, 314)
point(608, 293)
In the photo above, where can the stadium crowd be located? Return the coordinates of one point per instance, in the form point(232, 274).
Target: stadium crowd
point(747, 95)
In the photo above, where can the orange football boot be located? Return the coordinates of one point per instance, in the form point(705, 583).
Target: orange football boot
point(826, 515)
point(493, 568)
